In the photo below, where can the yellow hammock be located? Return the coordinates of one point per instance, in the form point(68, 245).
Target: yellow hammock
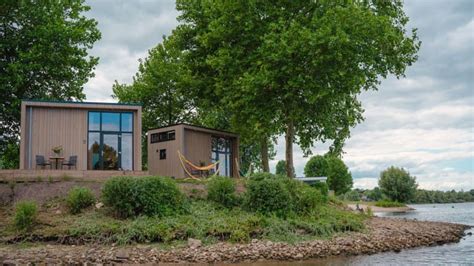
point(183, 160)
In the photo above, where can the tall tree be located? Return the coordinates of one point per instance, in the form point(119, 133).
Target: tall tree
point(397, 184)
point(338, 176)
point(295, 67)
point(43, 54)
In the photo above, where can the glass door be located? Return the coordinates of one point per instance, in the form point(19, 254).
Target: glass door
point(110, 151)
point(222, 152)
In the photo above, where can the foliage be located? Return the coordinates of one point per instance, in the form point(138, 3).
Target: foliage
point(389, 204)
point(152, 196)
point(10, 158)
point(352, 195)
point(25, 215)
point(79, 198)
point(267, 193)
point(374, 194)
point(221, 190)
point(397, 184)
point(312, 59)
point(44, 55)
point(323, 189)
point(339, 177)
point(207, 222)
point(452, 196)
point(280, 168)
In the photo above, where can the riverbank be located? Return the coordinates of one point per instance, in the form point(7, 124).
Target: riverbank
point(382, 234)
point(379, 209)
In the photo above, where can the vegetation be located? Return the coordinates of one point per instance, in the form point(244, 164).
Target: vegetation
point(323, 188)
point(307, 218)
point(151, 196)
point(397, 184)
point(433, 196)
point(339, 177)
point(44, 50)
point(79, 198)
point(280, 168)
point(25, 215)
point(388, 204)
point(221, 190)
point(270, 194)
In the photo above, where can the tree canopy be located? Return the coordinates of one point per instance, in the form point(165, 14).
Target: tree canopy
point(43, 54)
point(338, 176)
point(293, 67)
point(397, 184)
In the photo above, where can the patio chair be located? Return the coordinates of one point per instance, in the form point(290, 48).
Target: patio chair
point(42, 162)
point(72, 162)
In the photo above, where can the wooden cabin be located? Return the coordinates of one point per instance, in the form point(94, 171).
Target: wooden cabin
point(102, 136)
point(199, 145)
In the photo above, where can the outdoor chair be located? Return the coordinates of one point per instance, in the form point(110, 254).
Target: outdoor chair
point(72, 162)
point(42, 162)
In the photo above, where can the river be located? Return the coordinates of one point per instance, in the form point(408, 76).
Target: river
point(461, 253)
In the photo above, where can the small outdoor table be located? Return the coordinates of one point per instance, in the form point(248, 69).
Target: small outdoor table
point(56, 159)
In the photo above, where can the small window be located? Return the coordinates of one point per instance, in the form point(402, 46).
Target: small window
point(163, 154)
point(162, 136)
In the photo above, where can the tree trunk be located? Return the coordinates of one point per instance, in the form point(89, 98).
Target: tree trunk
point(289, 137)
point(264, 155)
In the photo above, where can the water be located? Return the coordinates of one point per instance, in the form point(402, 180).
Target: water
point(461, 253)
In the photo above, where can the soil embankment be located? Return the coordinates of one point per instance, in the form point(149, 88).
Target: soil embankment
point(383, 234)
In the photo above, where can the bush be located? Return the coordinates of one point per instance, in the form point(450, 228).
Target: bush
point(323, 188)
point(221, 190)
point(339, 177)
point(150, 196)
point(25, 215)
point(388, 204)
point(267, 195)
point(79, 198)
point(118, 193)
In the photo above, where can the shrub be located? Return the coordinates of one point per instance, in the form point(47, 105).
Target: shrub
point(118, 193)
point(221, 190)
point(79, 198)
point(323, 188)
point(339, 177)
point(25, 215)
point(150, 196)
point(158, 196)
point(304, 198)
point(261, 175)
point(267, 195)
point(388, 204)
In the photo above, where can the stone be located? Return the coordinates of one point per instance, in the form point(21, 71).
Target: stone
point(58, 212)
point(99, 205)
point(122, 254)
point(194, 243)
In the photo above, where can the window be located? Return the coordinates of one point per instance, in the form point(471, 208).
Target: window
point(222, 152)
point(110, 141)
point(163, 154)
point(162, 136)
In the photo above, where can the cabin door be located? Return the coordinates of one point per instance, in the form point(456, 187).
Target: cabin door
point(110, 151)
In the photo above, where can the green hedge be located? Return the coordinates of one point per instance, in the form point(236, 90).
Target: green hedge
point(151, 196)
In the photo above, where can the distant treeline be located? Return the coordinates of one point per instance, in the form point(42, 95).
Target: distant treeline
point(436, 196)
point(421, 196)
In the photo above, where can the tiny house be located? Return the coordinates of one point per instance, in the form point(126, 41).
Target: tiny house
point(100, 136)
point(198, 145)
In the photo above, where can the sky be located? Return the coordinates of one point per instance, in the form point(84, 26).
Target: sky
point(423, 122)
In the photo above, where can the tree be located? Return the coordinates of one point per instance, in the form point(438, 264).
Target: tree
point(397, 184)
point(280, 168)
point(43, 54)
point(338, 176)
point(295, 67)
point(374, 194)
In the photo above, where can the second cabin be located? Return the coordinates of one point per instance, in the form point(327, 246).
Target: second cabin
point(185, 150)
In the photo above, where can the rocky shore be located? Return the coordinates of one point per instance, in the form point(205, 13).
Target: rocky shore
point(383, 234)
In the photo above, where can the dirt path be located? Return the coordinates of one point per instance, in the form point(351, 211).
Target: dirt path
point(380, 209)
point(384, 234)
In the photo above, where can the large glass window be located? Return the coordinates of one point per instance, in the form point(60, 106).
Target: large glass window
point(110, 141)
point(222, 152)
